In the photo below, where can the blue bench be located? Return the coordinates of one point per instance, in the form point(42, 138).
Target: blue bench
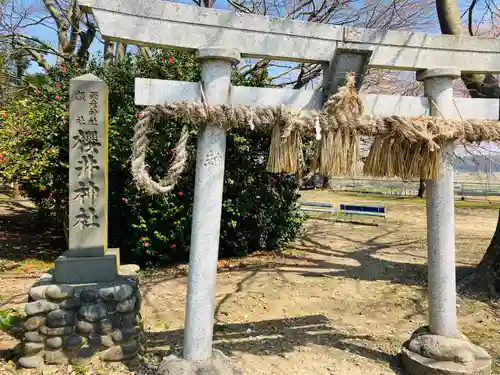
point(363, 209)
point(321, 207)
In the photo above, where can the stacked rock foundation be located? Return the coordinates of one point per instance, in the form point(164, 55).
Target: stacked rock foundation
point(83, 323)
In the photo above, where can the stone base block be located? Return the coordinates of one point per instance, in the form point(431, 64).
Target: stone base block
point(79, 270)
point(82, 323)
point(219, 364)
point(429, 354)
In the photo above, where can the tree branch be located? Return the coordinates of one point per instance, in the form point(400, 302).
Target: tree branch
point(34, 54)
point(62, 25)
point(74, 19)
point(449, 17)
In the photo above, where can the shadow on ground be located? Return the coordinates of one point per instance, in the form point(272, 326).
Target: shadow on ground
point(313, 258)
point(274, 337)
point(23, 236)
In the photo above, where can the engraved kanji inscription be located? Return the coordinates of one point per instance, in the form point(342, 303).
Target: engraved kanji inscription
point(80, 95)
point(94, 97)
point(93, 107)
point(87, 165)
point(80, 120)
point(86, 219)
point(215, 137)
point(213, 159)
point(92, 119)
point(87, 192)
point(87, 140)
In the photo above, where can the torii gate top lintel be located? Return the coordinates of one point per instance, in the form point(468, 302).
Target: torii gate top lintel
point(187, 27)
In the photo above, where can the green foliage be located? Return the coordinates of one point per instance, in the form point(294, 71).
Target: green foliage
point(260, 210)
point(9, 319)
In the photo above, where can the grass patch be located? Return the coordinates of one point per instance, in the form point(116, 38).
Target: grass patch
point(25, 266)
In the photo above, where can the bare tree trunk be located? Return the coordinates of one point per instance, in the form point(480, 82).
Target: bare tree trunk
point(449, 16)
point(326, 182)
point(109, 52)
point(486, 277)
point(490, 264)
point(421, 189)
point(16, 192)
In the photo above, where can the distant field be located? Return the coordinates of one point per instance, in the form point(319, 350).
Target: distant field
point(467, 185)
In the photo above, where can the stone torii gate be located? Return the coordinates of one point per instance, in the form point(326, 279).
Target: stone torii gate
point(220, 39)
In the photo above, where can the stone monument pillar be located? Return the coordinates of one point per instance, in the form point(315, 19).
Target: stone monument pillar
point(440, 348)
point(87, 308)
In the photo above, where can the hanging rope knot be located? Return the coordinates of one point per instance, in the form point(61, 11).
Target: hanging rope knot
point(250, 120)
point(317, 127)
point(140, 144)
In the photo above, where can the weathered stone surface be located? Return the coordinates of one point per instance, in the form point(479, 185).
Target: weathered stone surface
point(33, 323)
point(50, 370)
point(91, 242)
point(60, 331)
point(73, 342)
point(33, 347)
point(127, 305)
point(89, 295)
point(111, 306)
point(38, 292)
point(46, 278)
point(120, 352)
point(93, 313)
point(100, 341)
point(219, 364)
point(176, 366)
point(129, 320)
point(60, 291)
point(116, 293)
point(54, 342)
point(33, 361)
point(138, 302)
point(82, 356)
point(120, 335)
point(55, 357)
point(33, 336)
point(60, 318)
point(129, 269)
point(132, 279)
point(84, 327)
point(415, 364)
point(38, 307)
point(108, 324)
point(72, 303)
point(87, 269)
point(449, 349)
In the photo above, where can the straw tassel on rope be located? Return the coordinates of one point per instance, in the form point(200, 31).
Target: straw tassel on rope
point(406, 147)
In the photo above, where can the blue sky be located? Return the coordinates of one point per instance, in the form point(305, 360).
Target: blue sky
point(49, 35)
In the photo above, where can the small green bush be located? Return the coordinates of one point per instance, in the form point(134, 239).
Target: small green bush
point(260, 210)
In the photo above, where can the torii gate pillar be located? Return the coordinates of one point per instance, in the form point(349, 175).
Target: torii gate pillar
point(441, 349)
point(216, 65)
point(438, 87)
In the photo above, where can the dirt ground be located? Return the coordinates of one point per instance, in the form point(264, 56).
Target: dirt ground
point(341, 300)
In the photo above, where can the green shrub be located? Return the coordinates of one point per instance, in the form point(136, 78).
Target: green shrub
point(260, 210)
point(10, 319)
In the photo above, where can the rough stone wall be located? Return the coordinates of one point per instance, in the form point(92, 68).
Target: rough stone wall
point(78, 324)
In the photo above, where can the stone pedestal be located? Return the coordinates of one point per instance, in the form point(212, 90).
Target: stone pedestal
point(429, 354)
point(218, 364)
point(81, 323)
